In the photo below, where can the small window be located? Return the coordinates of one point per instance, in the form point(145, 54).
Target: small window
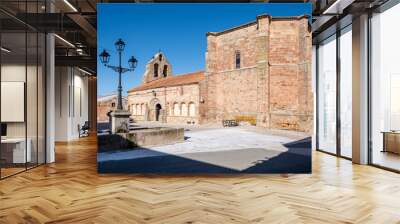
point(165, 70)
point(112, 104)
point(237, 57)
point(155, 70)
point(160, 57)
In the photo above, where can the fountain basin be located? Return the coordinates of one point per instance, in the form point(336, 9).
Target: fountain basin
point(140, 137)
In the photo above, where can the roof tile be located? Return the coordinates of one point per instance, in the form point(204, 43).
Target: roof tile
point(177, 80)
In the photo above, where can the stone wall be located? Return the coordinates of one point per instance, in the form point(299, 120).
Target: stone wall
point(291, 99)
point(106, 105)
point(232, 91)
point(179, 104)
point(273, 83)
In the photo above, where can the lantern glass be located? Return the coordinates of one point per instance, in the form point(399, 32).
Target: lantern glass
point(132, 62)
point(120, 45)
point(104, 57)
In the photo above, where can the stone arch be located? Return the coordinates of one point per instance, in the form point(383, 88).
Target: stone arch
point(155, 110)
point(171, 109)
point(158, 109)
point(177, 109)
point(192, 109)
point(167, 109)
point(137, 109)
point(184, 109)
point(142, 109)
point(154, 101)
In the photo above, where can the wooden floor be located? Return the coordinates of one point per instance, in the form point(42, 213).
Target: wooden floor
point(71, 191)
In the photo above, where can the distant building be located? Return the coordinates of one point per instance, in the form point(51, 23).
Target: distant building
point(106, 104)
point(259, 71)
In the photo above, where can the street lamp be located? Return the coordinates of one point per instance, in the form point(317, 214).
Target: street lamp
point(132, 62)
point(120, 45)
point(105, 59)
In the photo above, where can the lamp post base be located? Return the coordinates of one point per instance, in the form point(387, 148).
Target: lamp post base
point(120, 121)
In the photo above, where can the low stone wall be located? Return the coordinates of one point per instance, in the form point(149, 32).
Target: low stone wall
point(141, 137)
point(182, 120)
point(156, 136)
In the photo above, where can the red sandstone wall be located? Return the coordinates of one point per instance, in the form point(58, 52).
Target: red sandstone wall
point(105, 106)
point(274, 81)
point(234, 92)
point(291, 104)
point(102, 110)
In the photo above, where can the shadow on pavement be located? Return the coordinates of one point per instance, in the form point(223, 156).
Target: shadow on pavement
point(296, 160)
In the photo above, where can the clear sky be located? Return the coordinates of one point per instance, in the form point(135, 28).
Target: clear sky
point(178, 30)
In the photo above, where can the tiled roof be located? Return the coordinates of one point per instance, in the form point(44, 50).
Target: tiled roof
point(183, 79)
point(108, 98)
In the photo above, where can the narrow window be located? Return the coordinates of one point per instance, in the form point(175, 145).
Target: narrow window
point(160, 57)
point(112, 104)
point(237, 56)
point(165, 70)
point(155, 70)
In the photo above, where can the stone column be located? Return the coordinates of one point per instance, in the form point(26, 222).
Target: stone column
point(120, 121)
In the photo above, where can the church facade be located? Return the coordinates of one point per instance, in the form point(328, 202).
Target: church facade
point(258, 72)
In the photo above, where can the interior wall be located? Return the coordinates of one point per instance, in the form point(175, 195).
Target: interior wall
point(71, 102)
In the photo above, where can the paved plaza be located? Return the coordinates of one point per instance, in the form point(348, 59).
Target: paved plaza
point(208, 149)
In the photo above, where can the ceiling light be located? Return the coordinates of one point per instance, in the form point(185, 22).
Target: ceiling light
point(5, 50)
point(70, 5)
point(64, 40)
point(84, 71)
point(338, 6)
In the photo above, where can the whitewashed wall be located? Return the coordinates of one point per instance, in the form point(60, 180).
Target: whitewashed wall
point(71, 102)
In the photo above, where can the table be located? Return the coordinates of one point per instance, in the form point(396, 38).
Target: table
point(13, 150)
point(391, 141)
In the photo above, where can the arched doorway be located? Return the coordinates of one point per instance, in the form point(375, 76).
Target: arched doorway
point(158, 111)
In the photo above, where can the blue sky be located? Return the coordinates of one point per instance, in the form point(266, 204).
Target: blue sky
point(178, 30)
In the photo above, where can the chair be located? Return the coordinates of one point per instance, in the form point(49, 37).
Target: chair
point(84, 130)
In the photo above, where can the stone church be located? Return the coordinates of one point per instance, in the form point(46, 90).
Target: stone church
point(260, 71)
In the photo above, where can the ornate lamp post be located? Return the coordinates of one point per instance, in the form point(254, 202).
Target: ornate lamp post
point(119, 118)
point(105, 59)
